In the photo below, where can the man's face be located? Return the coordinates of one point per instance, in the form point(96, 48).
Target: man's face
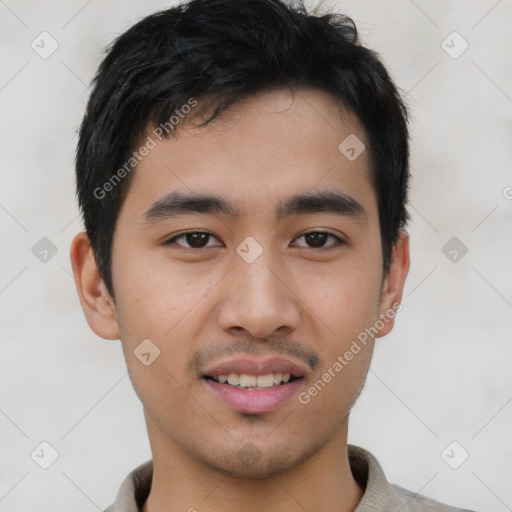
point(213, 308)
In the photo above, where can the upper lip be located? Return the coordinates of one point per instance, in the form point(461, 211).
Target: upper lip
point(250, 366)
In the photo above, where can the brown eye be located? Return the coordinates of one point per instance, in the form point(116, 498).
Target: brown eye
point(193, 240)
point(318, 239)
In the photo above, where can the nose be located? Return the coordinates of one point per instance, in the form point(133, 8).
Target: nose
point(259, 299)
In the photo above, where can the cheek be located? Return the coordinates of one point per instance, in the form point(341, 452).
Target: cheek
point(344, 297)
point(328, 398)
point(158, 305)
point(347, 310)
point(343, 305)
point(155, 298)
point(167, 306)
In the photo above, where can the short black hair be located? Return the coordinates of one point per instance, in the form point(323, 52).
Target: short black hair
point(221, 51)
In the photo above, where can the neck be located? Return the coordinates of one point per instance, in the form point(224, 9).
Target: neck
point(322, 483)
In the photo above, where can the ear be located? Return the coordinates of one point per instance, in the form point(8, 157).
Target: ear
point(393, 286)
point(98, 306)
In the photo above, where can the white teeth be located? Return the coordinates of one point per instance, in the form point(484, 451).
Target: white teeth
point(265, 381)
point(250, 381)
point(247, 381)
point(278, 377)
point(233, 379)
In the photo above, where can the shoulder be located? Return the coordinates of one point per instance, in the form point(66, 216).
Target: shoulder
point(408, 501)
point(383, 496)
point(134, 489)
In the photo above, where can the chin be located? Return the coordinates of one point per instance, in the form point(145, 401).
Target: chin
point(251, 462)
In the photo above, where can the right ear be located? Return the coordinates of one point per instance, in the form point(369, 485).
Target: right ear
point(98, 306)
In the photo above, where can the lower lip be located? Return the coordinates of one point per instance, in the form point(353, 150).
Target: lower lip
point(254, 400)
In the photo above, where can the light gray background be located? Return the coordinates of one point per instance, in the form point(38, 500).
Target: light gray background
point(442, 375)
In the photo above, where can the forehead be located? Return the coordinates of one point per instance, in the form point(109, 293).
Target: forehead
point(270, 144)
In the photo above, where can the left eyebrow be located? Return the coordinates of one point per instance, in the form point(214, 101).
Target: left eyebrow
point(327, 201)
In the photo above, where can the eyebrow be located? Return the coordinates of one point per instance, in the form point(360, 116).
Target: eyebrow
point(178, 203)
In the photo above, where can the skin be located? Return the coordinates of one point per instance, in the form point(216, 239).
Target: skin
point(294, 295)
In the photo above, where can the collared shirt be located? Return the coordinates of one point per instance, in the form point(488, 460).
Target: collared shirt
point(379, 494)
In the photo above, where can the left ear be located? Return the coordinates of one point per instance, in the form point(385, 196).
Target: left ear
point(393, 286)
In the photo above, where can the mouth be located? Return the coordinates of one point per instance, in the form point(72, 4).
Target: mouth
point(259, 382)
point(252, 387)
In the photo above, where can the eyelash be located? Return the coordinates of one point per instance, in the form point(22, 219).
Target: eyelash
point(196, 251)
